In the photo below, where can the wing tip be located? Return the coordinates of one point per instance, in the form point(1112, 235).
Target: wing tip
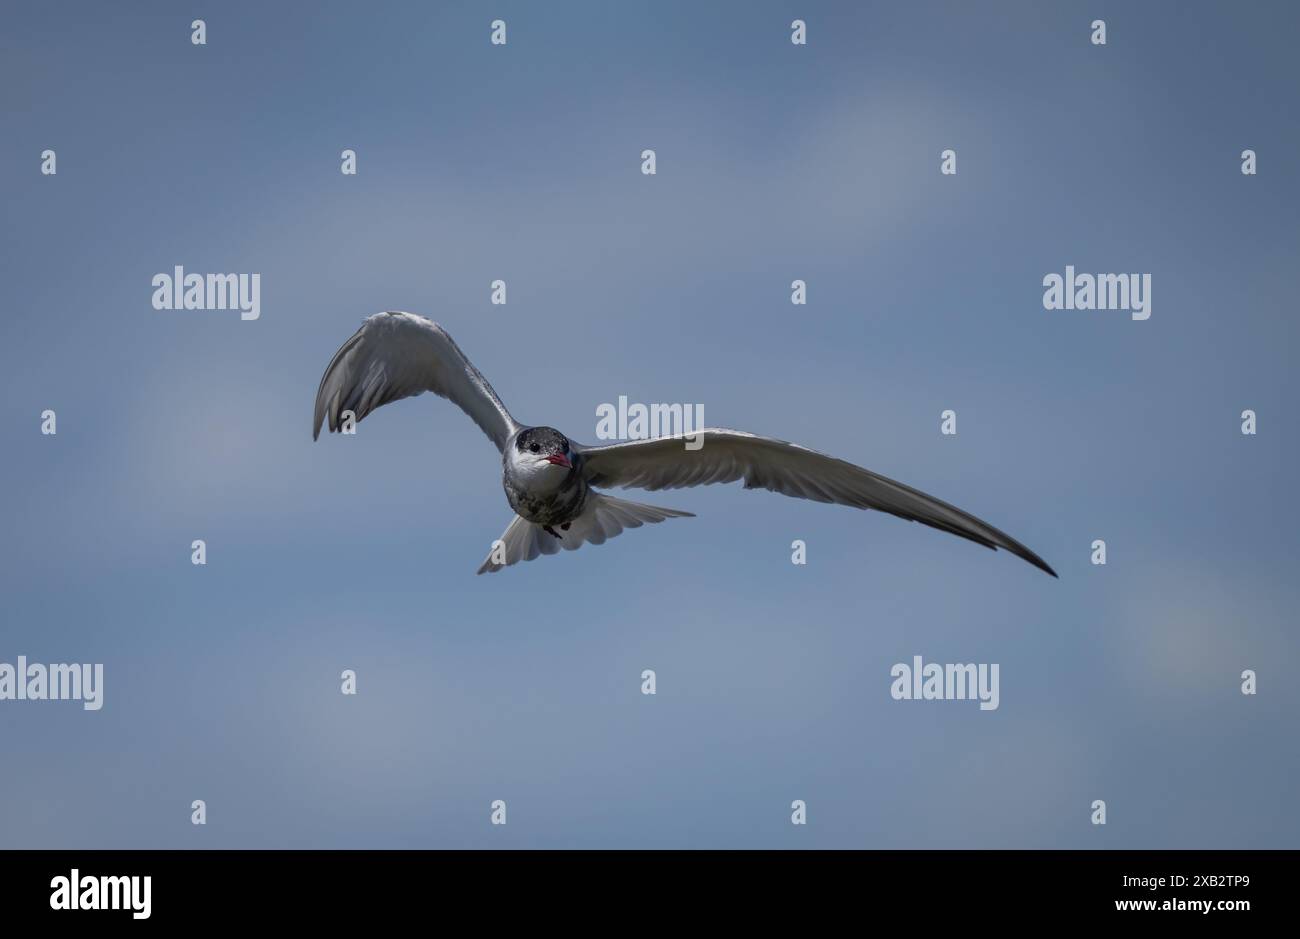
point(1037, 562)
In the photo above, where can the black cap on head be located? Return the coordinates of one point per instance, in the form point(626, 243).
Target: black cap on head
point(545, 440)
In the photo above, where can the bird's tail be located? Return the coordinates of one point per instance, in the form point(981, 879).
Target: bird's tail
point(602, 518)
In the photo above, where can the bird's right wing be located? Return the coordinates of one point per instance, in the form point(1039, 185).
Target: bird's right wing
point(397, 355)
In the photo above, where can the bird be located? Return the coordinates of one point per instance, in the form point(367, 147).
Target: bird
point(554, 484)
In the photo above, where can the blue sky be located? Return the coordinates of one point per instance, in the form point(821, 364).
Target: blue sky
point(775, 162)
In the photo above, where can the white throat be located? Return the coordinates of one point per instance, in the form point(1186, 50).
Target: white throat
point(535, 473)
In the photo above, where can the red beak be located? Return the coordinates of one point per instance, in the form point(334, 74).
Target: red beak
point(559, 459)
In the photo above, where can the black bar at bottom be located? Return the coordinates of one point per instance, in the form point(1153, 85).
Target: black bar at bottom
point(333, 887)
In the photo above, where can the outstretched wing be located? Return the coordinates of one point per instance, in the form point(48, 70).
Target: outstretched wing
point(763, 463)
point(397, 355)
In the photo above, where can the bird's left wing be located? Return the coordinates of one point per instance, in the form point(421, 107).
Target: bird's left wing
point(397, 355)
point(724, 456)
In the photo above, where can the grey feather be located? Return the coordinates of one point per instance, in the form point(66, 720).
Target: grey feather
point(764, 463)
point(398, 355)
point(603, 517)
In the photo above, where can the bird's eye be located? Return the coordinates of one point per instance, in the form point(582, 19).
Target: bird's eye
point(535, 448)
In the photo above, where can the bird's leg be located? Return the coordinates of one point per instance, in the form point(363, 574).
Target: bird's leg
point(551, 531)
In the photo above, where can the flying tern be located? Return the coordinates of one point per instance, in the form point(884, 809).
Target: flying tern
point(552, 482)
